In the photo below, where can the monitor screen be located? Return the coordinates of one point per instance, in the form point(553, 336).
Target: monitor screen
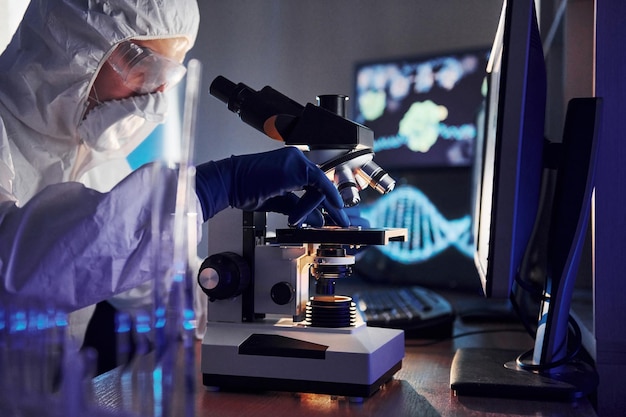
point(422, 109)
point(424, 113)
point(509, 152)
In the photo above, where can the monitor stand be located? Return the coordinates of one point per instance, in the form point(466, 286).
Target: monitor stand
point(495, 373)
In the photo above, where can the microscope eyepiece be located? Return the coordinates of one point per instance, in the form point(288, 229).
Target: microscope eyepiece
point(253, 107)
point(335, 103)
point(222, 89)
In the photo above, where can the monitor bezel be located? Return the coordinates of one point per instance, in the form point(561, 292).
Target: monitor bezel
point(507, 191)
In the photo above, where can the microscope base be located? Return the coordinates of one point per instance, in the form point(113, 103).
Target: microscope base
point(277, 356)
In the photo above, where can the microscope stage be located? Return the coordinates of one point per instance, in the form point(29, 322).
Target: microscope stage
point(341, 235)
point(264, 356)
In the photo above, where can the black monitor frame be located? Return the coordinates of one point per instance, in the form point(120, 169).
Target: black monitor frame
point(508, 175)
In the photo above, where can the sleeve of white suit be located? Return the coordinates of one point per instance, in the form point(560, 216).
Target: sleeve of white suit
point(71, 246)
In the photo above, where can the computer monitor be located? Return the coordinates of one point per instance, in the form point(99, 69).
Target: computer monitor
point(508, 167)
point(423, 110)
point(528, 234)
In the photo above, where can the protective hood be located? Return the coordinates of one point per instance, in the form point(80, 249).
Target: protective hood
point(47, 71)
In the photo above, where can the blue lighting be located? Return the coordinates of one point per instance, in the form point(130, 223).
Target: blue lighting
point(18, 321)
point(159, 314)
point(464, 132)
point(429, 232)
point(188, 319)
point(143, 323)
point(123, 323)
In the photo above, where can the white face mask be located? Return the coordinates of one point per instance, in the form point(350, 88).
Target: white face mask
point(112, 125)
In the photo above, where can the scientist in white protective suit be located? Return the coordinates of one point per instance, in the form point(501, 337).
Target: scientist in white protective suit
point(81, 85)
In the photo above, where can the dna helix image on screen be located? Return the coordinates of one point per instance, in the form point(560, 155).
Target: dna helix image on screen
point(425, 112)
point(420, 142)
point(429, 232)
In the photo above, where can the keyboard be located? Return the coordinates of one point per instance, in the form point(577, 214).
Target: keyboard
point(421, 313)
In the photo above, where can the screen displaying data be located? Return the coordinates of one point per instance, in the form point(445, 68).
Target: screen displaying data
point(426, 116)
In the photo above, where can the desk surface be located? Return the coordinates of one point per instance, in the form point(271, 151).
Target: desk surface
point(420, 388)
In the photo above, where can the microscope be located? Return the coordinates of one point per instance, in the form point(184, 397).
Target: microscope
point(264, 331)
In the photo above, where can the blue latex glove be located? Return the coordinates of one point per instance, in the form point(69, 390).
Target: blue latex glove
point(354, 216)
point(265, 182)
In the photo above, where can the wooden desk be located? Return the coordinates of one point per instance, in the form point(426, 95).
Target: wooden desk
point(420, 388)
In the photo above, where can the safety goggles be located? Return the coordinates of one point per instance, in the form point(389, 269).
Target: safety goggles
point(143, 70)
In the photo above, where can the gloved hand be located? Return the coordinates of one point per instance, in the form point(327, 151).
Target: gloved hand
point(265, 182)
point(355, 218)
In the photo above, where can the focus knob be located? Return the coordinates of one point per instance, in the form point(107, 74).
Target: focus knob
point(282, 293)
point(224, 275)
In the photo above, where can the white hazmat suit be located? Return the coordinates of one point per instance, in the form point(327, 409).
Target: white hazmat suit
point(70, 245)
point(59, 240)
